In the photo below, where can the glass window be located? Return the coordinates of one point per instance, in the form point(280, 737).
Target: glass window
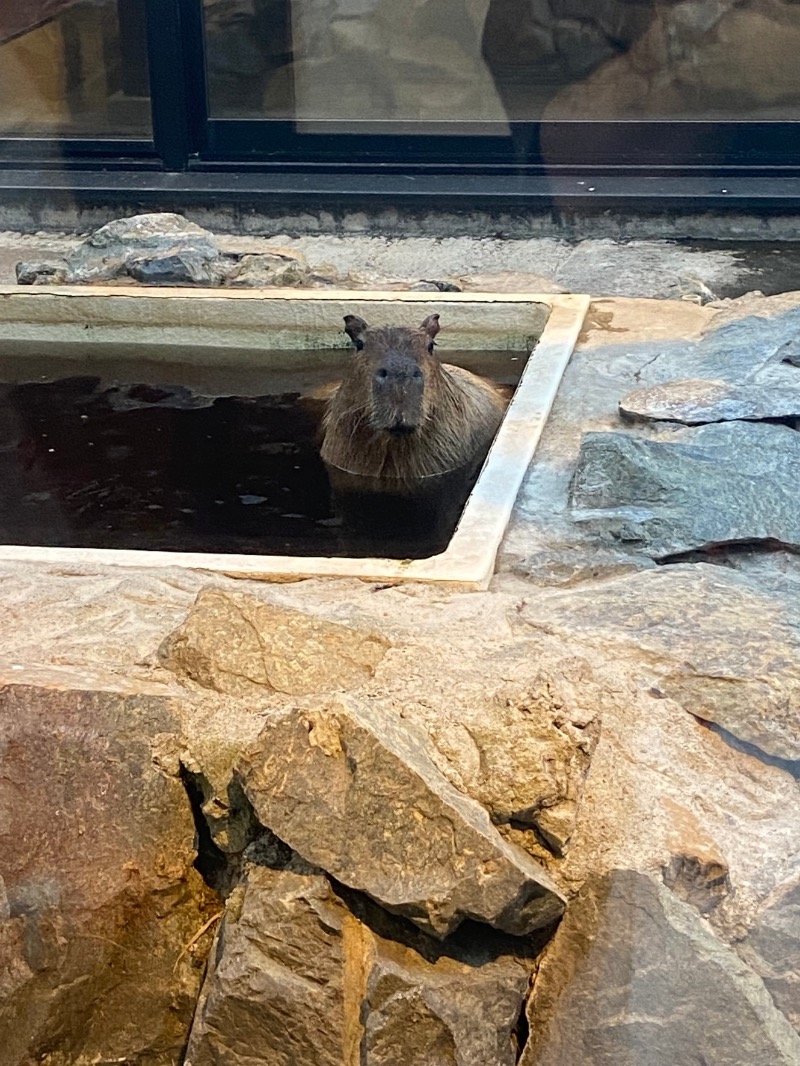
point(467, 61)
point(73, 68)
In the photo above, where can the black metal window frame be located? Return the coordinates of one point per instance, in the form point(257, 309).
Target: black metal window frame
point(543, 159)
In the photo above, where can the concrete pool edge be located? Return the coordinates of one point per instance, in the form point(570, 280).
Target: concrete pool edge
point(469, 558)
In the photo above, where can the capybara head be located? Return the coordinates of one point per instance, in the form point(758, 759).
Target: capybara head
point(397, 371)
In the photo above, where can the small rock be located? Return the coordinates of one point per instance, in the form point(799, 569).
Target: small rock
point(635, 976)
point(697, 402)
point(716, 484)
point(356, 792)
point(232, 642)
point(41, 273)
point(274, 269)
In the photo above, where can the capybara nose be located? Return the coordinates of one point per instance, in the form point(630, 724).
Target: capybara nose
point(401, 428)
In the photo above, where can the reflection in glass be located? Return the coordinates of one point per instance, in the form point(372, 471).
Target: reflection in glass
point(73, 68)
point(467, 61)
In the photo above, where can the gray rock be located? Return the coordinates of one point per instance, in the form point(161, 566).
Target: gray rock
point(54, 273)
point(717, 484)
point(298, 977)
point(736, 349)
point(634, 976)
point(108, 253)
point(356, 792)
point(772, 948)
point(696, 402)
point(235, 643)
point(705, 636)
point(175, 268)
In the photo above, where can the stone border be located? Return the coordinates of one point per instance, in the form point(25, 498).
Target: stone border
point(208, 321)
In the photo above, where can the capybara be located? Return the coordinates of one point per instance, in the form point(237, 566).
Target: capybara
point(400, 416)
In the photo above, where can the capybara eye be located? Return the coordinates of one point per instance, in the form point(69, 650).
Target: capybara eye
point(417, 375)
point(382, 373)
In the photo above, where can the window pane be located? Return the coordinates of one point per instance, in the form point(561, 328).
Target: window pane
point(463, 61)
point(73, 68)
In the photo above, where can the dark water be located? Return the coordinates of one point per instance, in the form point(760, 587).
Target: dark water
point(162, 457)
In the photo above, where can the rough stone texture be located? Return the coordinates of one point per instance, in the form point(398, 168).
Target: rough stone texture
point(234, 643)
point(707, 637)
point(108, 252)
point(274, 992)
point(722, 483)
point(273, 267)
point(772, 947)
point(100, 898)
point(534, 744)
point(696, 402)
point(356, 792)
point(297, 976)
point(635, 978)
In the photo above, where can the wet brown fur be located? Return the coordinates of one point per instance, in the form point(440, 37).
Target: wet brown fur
point(460, 415)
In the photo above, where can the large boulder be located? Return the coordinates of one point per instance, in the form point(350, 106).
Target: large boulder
point(356, 792)
point(101, 907)
point(297, 975)
point(635, 977)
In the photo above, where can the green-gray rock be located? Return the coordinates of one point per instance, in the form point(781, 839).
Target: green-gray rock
point(718, 484)
point(697, 402)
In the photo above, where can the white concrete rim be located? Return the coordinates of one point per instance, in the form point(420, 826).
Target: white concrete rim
point(469, 559)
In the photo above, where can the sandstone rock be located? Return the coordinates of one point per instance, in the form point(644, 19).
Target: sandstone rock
point(233, 642)
point(701, 401)
point(717, 644)
point(101, 900)
point(634, 976)
point(772, 948)
point(533, 752)
point(274, 990)
point(717, 484)
point(357, 793)
point(277, 268)
point(108, 252)
point(296, 976)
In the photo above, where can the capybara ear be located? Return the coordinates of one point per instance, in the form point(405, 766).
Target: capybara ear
point(355, 328)
point(431, 327)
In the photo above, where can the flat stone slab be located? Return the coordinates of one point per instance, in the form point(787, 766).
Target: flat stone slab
point(719, 645)
point(697, 402)
point(718, 484)
point(355, 791)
